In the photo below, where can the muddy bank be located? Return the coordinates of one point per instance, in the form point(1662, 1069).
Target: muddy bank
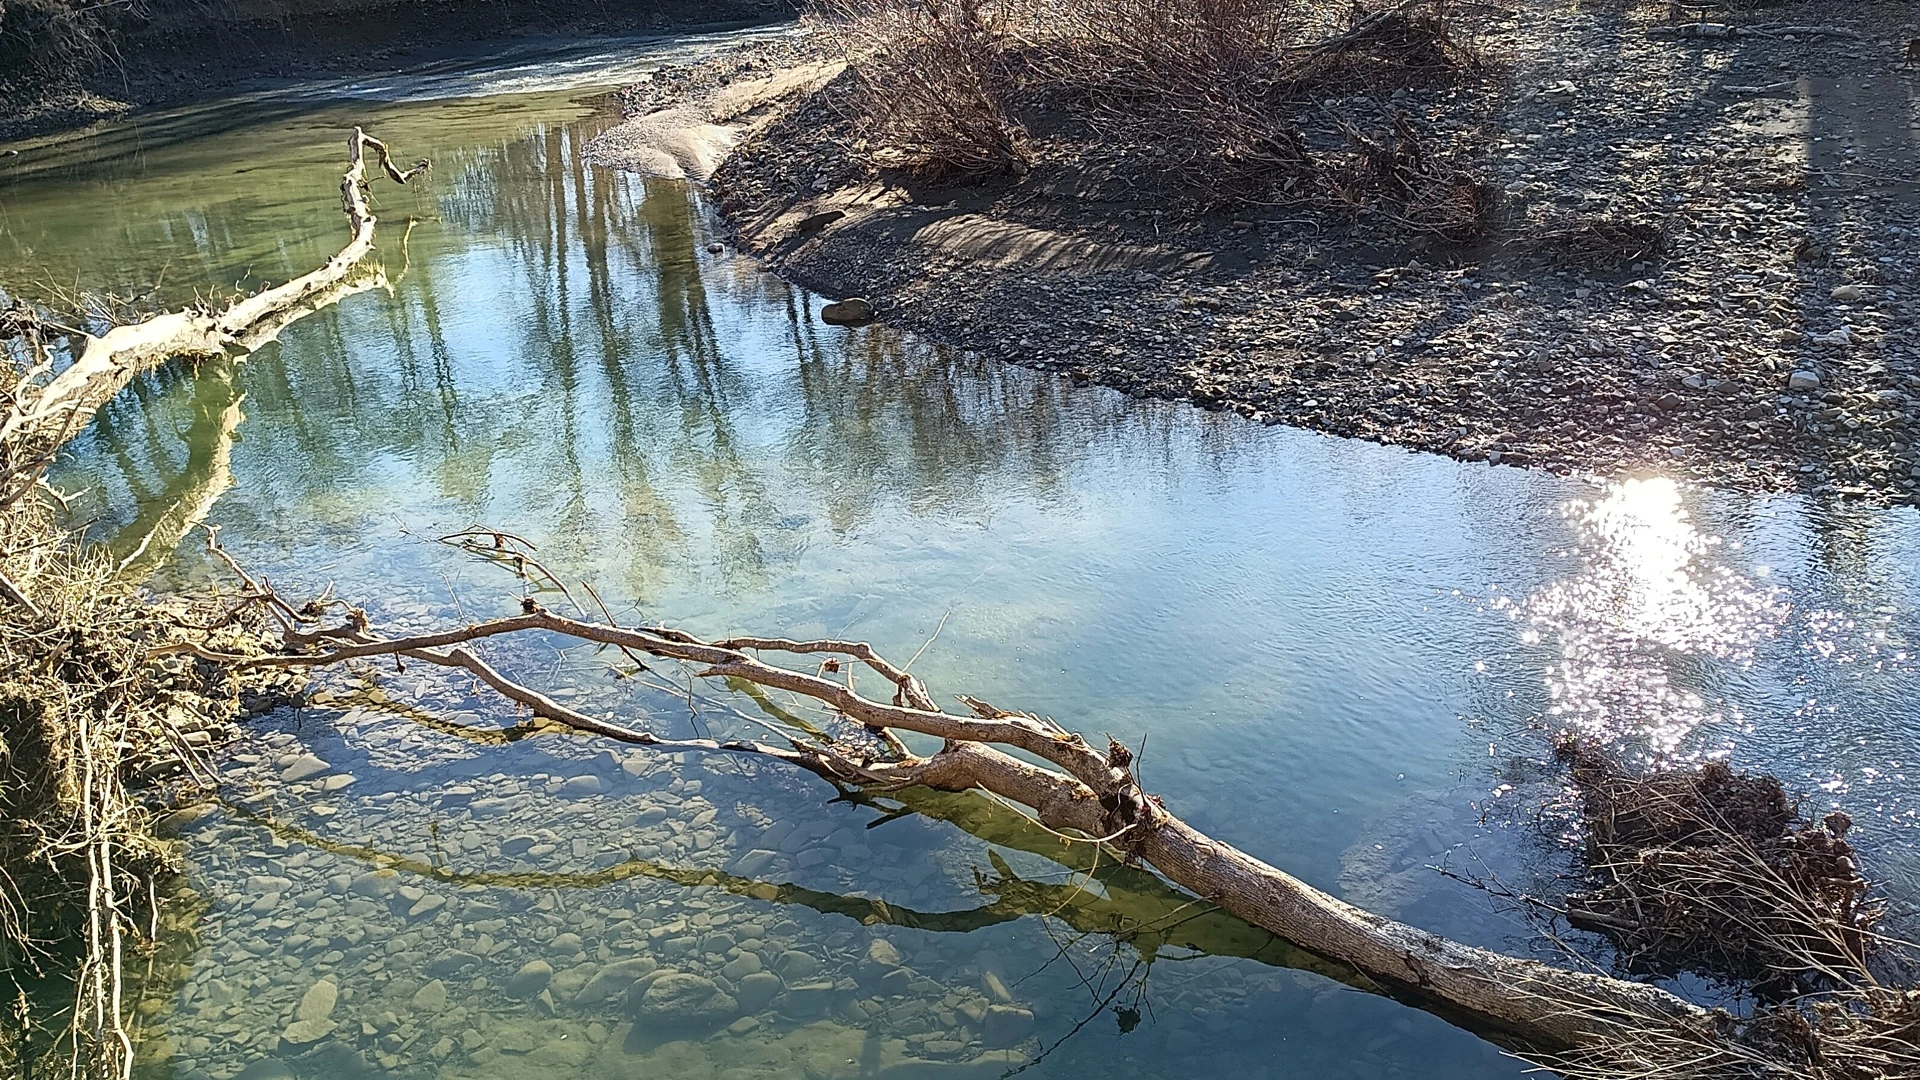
point(173, 51)
point(1766, 344)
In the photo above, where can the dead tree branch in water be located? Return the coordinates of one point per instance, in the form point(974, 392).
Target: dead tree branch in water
point(1069, 785)
point(42, 419)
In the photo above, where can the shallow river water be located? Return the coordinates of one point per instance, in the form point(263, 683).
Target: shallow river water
point(1341, 657)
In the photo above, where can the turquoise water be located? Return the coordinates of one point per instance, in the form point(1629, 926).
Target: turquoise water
point(1341, 657)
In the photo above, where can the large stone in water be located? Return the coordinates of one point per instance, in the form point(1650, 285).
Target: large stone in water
point(758, 990)
point(302, 1032)
point(881, 958)
point(582, 786)
point(533, 977)
point(378, 884)
point(1007, 1025)
point(797, 966)
point(266, 1069)
point(431, 997)
point(304, 766)
point(318, 1002)
point(681, 998)
point(852, 311)
point(805, 1000)
point(447, 963)
point(614, 978)
point(741, 966)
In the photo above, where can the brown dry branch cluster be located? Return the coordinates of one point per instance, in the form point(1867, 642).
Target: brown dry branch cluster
point(1223, 96)
point(1715, 872)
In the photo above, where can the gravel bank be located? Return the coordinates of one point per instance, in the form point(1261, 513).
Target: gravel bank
point(1769, 347)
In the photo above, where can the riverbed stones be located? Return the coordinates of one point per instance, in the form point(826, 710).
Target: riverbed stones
point(304, 767)
point(682, 998)
point(797, 966)
point(269, 1068)
point(431, 998)
point(533, 977)
point(582, 786)
point(807, 1000)
point(375, 884)
point(741, 966)
point(1006, 1025)
point(757, 991)
point(303, 1032)
point(317, 1003)
point(451, 962)
point(610, 980)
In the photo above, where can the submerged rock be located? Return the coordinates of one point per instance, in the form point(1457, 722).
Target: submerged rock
point(266, 1069)
point(1006, 1025)
point(318, 1002)
point(758, 990)
point(303, 767)
point(431, 997)
point(533, 977)
point(683, 998)
point(614, 978)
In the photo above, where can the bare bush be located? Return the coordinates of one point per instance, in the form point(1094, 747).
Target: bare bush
point(52, 41)
point(1214, 92)
point(933, 80)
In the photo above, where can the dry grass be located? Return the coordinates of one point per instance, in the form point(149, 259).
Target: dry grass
point(933, 73)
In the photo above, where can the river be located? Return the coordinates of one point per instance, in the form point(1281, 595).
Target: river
point(1344, 658)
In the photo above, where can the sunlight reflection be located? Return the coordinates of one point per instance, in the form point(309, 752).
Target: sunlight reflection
point(1650, 602)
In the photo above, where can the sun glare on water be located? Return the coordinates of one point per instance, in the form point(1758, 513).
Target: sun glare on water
point(1651, 602)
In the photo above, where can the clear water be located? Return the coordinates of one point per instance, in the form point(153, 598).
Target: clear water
point(1341, 657)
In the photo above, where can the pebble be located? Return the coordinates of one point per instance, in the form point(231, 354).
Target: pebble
point(1006, 1025)
point(1802, 381)
point(317, 1003)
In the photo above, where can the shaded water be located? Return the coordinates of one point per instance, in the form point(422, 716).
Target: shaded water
point(1342, 657)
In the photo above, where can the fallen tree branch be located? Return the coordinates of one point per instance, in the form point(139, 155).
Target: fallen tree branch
point(1080, 789)
point(61, 408)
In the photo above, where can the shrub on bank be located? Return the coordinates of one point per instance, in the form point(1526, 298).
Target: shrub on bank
point(1222, 99)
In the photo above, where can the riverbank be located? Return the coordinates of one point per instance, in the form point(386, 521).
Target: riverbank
point(169, 52)
point(1700, 264)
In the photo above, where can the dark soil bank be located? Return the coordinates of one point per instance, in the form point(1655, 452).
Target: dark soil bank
point(1769, 345)
point(165, 51)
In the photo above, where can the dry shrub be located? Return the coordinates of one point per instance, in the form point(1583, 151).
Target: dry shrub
point(933, 79)
point(92, 703)
point(1713, 871)
point(1393, 44)
point(1213, 90)
point(1394, 174)
point(51, 41)
point(1597, 239)
point(1205, 82)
